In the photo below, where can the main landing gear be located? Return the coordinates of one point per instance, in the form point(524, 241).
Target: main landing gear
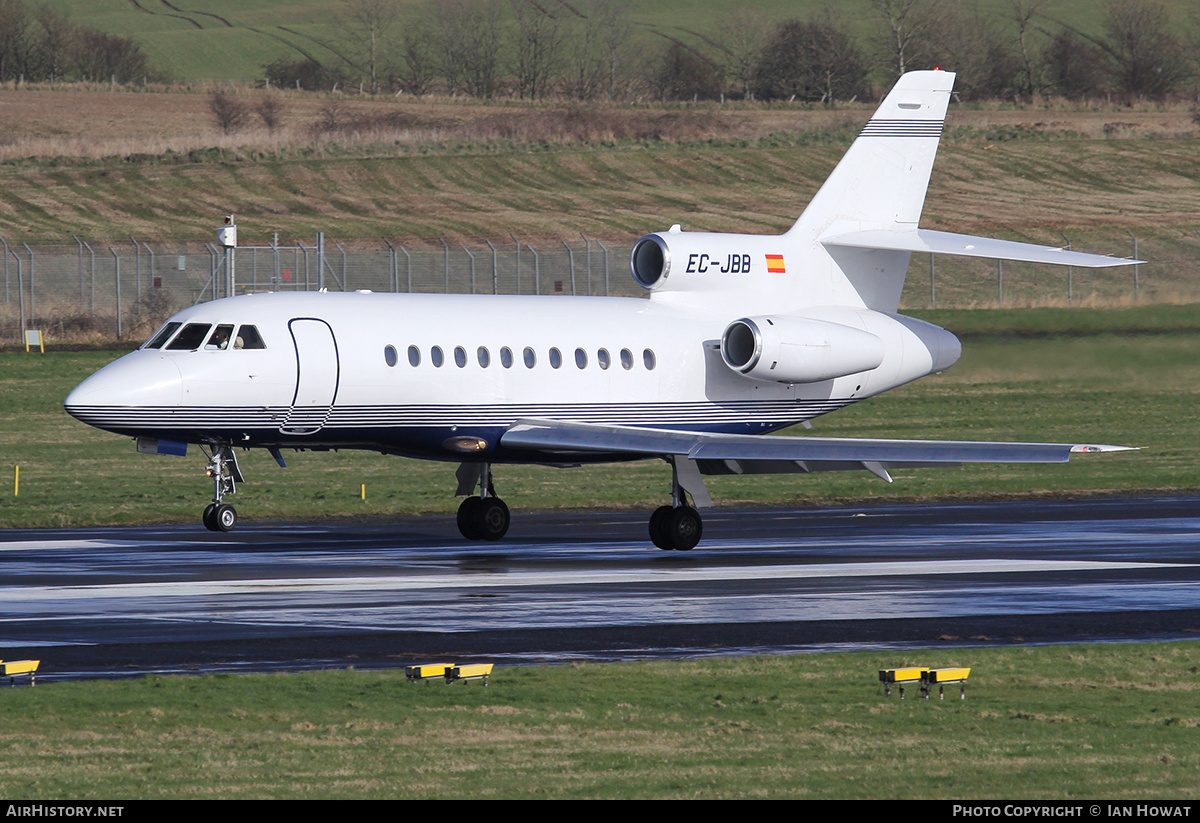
point(678, 527)
point(484, 517)
point(223, 469)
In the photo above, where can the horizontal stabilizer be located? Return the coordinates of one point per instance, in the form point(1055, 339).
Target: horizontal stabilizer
point(966, 245)
point(558, 437)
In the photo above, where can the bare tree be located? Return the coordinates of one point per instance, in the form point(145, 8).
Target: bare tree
point(1023, 13)
point(1074, 66)
point(813, 60)
point(1149, 60)
point(469, 37)
point(15, 39)
point(229, 113)
point(270, 111)
point(741, 39)
point(368, 27)
point(538, 47)
point(597, 46)
point(905, 22)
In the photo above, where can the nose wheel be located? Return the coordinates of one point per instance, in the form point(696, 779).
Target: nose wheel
point(220, 518)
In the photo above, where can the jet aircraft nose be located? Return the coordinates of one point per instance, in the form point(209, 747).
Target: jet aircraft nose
point(140, 380)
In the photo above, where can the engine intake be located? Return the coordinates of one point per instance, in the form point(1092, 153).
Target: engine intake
point(650, 261)
point(798, 349)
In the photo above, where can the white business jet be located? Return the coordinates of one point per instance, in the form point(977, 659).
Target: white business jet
point(741, 335)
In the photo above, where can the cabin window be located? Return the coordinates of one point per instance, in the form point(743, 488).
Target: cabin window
point(555, 359)
point(414, 356)
point(483, 356)
point(435, 357)
point(460, 357)
point(581, 358)
point(163, 335)
point(626, 359)
point(191, 337)
point(603, 358)
point(649, 359)
point(530, 357)
point(389, 355)
point(248, 338)
point(220, 338)
point(506, 358)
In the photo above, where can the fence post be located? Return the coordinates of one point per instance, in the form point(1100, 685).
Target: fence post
point(32, 291)
point(605, 249)
point(5, 242)
point(393, 271)
point(138, 257)
point(117, 269)
point(468, 251)
point(495, 269)
point(588, 246)
point(537, 270)
point(518, 243)
point(20, 291)
point(571, 261)
point(446, 264)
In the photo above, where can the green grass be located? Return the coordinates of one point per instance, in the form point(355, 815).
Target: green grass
point(1124, 377)
point(1046, 723)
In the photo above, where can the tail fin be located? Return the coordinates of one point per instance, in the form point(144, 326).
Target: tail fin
point(880, 184)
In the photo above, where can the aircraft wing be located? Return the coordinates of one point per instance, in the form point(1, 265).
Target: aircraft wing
point(757, 454)
point(966, 245)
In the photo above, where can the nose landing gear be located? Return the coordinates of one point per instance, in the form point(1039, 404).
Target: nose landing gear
point(223, 469)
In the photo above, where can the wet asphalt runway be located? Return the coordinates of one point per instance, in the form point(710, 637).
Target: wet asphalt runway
point(564, 586)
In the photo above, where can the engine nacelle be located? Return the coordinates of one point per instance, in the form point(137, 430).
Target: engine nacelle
point(798, 349)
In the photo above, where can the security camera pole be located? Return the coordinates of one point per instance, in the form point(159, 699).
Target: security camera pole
point(227, 238)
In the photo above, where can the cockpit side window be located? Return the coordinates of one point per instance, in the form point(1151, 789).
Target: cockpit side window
point(249, 338)
point(164, 334)
point(191, 337)
point(220, 338)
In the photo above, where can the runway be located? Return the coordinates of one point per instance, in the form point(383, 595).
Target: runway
point(568, 586)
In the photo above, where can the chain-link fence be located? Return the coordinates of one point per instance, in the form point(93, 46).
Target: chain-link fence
point(126, 290)
point(104, 290)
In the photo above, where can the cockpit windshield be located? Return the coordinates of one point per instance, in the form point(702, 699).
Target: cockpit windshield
point(191, 337)
point(163, 335)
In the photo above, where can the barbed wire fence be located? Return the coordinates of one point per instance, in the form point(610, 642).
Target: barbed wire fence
point(125, 290)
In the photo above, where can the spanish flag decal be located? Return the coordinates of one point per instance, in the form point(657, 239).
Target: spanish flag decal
point(775, 264)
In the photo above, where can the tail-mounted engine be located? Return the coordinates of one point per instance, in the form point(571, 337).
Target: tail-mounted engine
point(798, 349)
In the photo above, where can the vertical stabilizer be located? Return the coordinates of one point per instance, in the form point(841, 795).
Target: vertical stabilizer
point(879, 184)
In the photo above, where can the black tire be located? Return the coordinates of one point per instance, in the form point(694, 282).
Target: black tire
point(659, 523)
point(685, 528)
point(492, 518)
point(207, 517)
point(224, 517)
point(468, 518)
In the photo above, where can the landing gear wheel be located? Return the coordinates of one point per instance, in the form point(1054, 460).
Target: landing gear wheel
point(492, 518)
point(224, 517)
point(468, 518)
point(685, 528)
point(207, 517)
point(659, 522)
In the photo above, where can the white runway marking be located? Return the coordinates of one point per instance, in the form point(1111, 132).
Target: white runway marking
point(25, 596)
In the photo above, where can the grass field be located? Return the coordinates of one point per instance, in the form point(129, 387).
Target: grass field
point(232, 40)
point(1126, 377)
point(1071, 723)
